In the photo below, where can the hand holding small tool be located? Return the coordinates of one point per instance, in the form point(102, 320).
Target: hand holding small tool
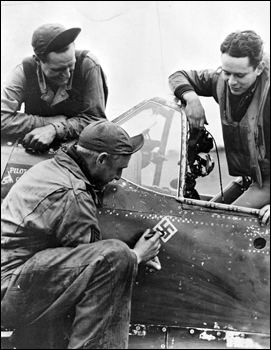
point(154, 262)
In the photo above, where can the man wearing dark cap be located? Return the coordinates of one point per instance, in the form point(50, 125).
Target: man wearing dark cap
point(53, 257)
point(63, 90)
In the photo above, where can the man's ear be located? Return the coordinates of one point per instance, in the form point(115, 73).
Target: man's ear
point(261, 67)
point(101, 158)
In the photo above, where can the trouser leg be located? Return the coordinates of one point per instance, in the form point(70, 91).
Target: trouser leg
point(94, 277)
point(102, 315)
point(254, 196)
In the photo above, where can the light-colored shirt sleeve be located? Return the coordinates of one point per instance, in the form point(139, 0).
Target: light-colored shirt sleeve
point(13, 121)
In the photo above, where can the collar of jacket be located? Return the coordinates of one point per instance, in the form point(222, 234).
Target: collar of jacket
point(69, 159)
point(47, 93)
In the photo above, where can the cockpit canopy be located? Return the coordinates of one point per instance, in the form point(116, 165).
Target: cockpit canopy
point(157, 165)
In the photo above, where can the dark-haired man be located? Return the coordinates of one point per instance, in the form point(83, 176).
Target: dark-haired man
point(63, 90)
point(54, 260)
point(241, 87)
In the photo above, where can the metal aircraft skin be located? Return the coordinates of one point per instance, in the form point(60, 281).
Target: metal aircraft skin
point(213, 290)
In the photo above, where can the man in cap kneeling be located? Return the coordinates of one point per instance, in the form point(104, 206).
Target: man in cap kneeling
point(62, 89)
point(53, 257)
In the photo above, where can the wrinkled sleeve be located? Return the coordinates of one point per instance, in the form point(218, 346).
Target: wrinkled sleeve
point(78, 224)
point(202, 82)
point(12, 97)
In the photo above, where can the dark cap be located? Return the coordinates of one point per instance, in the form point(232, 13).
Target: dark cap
point(52, 37)
point(106, 136)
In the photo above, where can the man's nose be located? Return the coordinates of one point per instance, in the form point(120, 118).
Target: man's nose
point(66, 73)
point(118, 176)
point(232, 81)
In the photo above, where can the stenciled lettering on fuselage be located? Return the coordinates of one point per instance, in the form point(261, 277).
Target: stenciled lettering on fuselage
point(166, 226)
point(11, 175)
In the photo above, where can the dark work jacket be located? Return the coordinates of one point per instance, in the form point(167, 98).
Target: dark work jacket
point(245, 140)
point(247, 143)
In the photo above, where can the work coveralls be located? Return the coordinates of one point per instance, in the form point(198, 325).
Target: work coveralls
point(54, 262)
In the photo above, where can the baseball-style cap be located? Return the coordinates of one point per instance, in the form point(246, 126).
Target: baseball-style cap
point(106, 136)
point(52, 37)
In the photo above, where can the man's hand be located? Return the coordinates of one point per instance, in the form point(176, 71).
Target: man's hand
point(194, 111)
point(147, 247)
point(40, 138)
point(264, 215)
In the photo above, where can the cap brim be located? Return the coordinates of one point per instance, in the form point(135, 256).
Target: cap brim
point(137, 142)
point(62, 40)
